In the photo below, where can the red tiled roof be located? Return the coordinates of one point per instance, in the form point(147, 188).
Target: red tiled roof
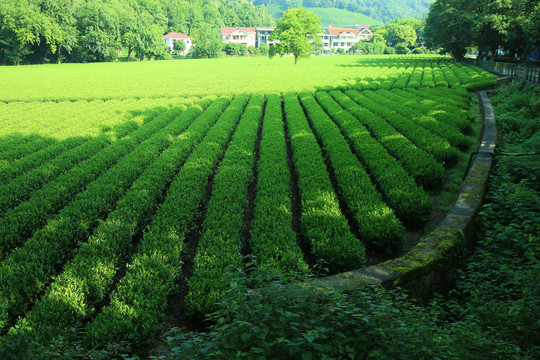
point(336, 31)
point(230, 30)
point(175, 36)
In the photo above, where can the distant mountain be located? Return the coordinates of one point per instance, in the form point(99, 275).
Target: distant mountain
point(330, 16)
point(380, 10)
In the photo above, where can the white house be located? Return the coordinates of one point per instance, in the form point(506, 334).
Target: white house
point(239, 35)
point(171, 37)
point(332, 37)
point(344, 38)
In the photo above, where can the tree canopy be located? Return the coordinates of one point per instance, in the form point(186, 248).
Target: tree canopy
point(41, 31)
point(489, 25)
point(297, 32)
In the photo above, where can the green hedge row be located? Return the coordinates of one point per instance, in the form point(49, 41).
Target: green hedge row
point(440, 110)
point(322, 222)
point(416, 77)
point(20, 222)
point(64, 135)
point(476, 78)
point(21, 188)
point(449, 98)
point(450, 77)
point(426, 140)
point(376, 223)
point(422, 138)
point(11, 141)
point(25, 149)
point(460, 95)
point(403, 79)
point(273, 241)
point(421, 165)
point(410, 203)
point(220, 248)
point(87, 279)
point(427, 77)
point(29, 268)
point(139, 302)
point(411, 106)
point(32, 161)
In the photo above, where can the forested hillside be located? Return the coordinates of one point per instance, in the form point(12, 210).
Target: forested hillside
point(41, 31)
point(382, 10)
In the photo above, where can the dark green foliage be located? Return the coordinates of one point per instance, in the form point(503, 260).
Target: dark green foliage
point(500, 288)
point(39, 31)
point(489, 25)
point(322, 220)
point(491, 314)
point(408, 200)
point(377, 224)
point(139, 302)
point(28, 268)
point(222, 237)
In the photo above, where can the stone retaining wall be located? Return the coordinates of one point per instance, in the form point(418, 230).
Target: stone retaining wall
point(430, 265)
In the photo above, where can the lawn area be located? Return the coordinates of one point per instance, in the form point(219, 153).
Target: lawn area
point(197, 77)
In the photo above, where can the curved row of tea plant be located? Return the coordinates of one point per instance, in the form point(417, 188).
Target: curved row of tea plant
point(421, 165)
point(80, 285)
point(220, 248)
point(273, 241)
point(422, 138)
point(450, 115)
point(412, 107)
point(428, 140)
point(20, 222)
point(27, 269)
point(322, 221)
point(376, 223)
point(140, 300)
point(408, 200)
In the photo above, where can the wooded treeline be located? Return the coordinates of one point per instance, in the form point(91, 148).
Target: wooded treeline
point(41, 31)
point(487, 25)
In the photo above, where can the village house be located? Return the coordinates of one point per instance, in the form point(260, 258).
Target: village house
point(170, 38)
point(344, 38)
point(239, 35)
point(332, 37)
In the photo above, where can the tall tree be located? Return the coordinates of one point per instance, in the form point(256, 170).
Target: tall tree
point(450, 25)
point(492, 24)
point(206, 40)
point(296, 30)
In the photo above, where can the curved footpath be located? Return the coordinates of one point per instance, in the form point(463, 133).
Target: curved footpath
point(430, 265)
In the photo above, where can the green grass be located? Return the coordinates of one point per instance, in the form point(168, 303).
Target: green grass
point(227, 76)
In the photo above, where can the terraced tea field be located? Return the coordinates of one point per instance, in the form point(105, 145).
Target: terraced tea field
point(111, 201)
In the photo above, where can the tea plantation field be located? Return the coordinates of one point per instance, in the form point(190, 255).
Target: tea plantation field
point(120, 183)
